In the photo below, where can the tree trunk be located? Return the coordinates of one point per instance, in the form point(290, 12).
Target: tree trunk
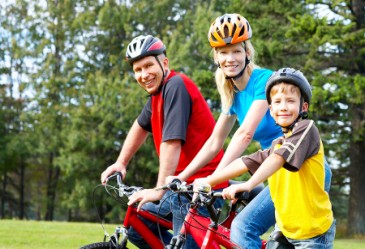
point(52, 180)
point(3, 196)
point(356, 216)
point(21, 191)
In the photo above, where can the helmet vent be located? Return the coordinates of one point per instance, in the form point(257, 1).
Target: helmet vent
point(234, 29)
point(213, 38)
point(242, 32)
point(226, 31)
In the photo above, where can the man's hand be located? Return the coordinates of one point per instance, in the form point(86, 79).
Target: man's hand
point(144, 196)
point(116, 167)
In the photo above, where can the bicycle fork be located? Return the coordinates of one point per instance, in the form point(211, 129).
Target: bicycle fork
point(120, 232)
point(176, 242)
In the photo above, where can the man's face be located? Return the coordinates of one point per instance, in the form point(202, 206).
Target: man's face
point(148, 73)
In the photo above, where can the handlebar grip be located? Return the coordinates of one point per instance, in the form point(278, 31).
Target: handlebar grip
point(240, 196)
point(118, 175)
point(172, 185)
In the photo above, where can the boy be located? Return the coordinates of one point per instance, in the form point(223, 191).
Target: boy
point(294, 166)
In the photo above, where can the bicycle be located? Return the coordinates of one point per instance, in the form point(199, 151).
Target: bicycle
point(207, 231)
point(119, 238)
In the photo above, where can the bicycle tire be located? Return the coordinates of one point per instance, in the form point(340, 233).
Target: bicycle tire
point(100, 245)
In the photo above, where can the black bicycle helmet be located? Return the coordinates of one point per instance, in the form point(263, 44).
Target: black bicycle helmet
point(292, 76)
point(295, 77)
point(143, 46)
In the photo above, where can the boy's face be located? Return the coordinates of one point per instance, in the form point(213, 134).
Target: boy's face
point(148, 73)
point(285, 104)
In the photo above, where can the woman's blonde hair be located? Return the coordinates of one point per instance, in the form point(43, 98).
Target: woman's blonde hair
point(225, 86)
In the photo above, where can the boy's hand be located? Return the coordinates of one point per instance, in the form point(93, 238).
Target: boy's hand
point(230, 192)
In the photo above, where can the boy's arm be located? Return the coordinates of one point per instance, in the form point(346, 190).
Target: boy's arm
point(234, 169)
point(272, 164)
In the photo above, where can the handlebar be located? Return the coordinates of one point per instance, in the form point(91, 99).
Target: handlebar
point(206, 195)
point(123, 189)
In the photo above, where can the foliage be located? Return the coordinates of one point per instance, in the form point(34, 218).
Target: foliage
point(68, 97)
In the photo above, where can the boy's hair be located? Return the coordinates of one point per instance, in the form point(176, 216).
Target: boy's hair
point(284, 87)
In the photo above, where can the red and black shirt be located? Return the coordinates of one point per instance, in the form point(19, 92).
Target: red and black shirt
point(179, 111)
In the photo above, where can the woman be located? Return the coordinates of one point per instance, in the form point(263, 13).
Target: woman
point(241, 85)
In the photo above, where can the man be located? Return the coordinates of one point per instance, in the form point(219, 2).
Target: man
point(180, 121)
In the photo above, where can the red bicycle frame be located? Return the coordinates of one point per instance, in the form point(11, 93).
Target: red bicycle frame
point(132, 220)
point(207, 232)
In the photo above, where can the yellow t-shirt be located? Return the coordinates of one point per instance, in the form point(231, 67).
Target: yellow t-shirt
point(302, 207)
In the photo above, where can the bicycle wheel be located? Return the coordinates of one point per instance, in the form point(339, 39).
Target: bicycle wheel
point(101, 245)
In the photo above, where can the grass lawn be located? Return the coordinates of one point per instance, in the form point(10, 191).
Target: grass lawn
point(15, 234)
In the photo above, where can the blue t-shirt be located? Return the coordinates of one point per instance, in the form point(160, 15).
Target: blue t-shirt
point(267, 130)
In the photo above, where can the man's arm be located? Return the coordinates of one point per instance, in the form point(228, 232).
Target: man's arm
point(169, 159)
point(135, 138)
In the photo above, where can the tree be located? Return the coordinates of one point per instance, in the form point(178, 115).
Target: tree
point(334, 44)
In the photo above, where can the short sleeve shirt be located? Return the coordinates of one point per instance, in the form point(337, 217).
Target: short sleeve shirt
point(302, 206)
point(177, 111)
point(267, 130)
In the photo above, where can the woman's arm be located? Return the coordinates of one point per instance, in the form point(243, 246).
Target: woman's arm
point(244, 134)
point(211, 147)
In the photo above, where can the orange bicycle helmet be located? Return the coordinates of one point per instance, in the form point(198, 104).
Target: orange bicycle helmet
point(229, 29)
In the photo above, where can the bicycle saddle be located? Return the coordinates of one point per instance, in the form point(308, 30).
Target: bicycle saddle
point(280, 237)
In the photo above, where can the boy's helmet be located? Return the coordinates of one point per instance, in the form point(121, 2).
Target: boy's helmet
point(229, 29)
point(143, 46)
point(292, 76)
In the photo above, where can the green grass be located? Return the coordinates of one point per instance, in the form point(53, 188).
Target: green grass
point(17, 234)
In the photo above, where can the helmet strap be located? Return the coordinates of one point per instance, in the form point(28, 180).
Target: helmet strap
point(240, 73)
point(163, 71)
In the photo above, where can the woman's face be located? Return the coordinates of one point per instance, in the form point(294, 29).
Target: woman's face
point(231, 58)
